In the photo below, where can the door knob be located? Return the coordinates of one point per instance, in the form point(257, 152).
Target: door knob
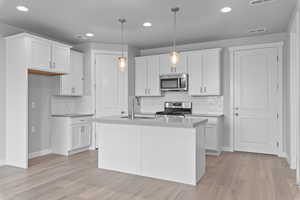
point(236, 114)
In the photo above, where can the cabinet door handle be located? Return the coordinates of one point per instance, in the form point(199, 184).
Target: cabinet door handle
point(73, 90)
point(204, 89)
point(145, 91)
point(50, 64)
point(54, 65)
point(201, 90)
point(149, 91)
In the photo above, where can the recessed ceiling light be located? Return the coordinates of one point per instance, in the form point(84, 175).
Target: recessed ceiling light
point(226, 9)
point(22, 8)
point(147, 24)
point(89, 34)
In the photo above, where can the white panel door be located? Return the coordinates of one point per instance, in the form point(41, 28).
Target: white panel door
point(153, 76)
point(60, 58)
point(40, 55)
point(195, 73)
point(256, 78)
point(111, 86)
point(141, 78)
point(211, 77)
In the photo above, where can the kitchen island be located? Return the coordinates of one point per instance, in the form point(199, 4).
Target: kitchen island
point(164, 148)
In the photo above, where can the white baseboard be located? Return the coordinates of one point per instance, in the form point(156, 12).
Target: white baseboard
point(40, 153)
point(228, 149)
point(2, 162)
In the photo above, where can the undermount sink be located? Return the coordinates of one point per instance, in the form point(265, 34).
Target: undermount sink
point(139, 117)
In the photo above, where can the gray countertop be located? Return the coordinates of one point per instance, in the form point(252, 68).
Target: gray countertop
point(192, 115)
point(73, 115)
point(160, 122)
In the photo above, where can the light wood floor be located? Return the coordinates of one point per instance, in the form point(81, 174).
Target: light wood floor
point(232, 176)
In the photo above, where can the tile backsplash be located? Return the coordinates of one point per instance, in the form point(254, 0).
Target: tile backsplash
point(209, 104)
point(68, 105)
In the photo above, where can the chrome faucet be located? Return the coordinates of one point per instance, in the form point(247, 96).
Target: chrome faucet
point(131, 116)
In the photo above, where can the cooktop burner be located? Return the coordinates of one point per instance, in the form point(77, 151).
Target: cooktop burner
point(176, 109)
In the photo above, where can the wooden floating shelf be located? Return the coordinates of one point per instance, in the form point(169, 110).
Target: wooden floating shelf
point(43, 73)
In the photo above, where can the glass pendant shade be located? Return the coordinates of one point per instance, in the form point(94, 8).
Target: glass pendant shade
point(174, 58)
point(122, 63)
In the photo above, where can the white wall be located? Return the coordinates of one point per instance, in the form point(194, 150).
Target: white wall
point(2, 99)
point(40, 89)
point(226, 64)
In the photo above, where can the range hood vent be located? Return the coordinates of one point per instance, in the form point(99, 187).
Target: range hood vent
point(257, 30)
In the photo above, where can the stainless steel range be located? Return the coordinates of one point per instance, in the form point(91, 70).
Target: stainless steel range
point(179, 109)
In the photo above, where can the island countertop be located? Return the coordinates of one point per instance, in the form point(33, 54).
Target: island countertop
point(174, 122)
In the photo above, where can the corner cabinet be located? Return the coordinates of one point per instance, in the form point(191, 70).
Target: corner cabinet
point(72, 83)
point(204, 72)
point(46, 55)
point(147, 76)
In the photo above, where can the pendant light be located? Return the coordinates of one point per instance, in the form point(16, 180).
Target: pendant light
point(174, 54)
point(122, 60)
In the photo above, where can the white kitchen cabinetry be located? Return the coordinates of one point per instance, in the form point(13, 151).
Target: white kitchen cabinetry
point(166, 67)
point(147, 76)
point(40, 54)
point(70, 135)
point(213, 134)
point(72, 84)
point(46, 55)
point(204, 72)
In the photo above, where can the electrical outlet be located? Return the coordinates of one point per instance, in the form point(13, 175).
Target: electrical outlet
point(33, 105)
point(32, 129)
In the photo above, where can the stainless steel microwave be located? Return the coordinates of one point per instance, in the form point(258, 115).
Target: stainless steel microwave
point(174, 82)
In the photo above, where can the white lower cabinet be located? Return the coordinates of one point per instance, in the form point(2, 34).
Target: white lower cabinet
point(70, 135)
point(214, 135)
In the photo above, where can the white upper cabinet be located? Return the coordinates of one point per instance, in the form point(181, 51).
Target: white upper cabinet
point(195, 72)
point(166, 67)
point(211, 72)
point(40, 54)
point(60, 58)
point(204, 72)
point(141, 76)
point(147, 76)
point(153, 76)
point(46, 55)
point(72, 84)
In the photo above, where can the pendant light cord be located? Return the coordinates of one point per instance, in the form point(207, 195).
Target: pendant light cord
point(122, 21)
point(175, 29)
point(122, 38)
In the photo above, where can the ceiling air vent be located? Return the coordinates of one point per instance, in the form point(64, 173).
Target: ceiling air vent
point(259, 2)
point(257, 30)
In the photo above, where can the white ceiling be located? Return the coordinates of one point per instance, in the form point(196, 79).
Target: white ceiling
point(198, 20)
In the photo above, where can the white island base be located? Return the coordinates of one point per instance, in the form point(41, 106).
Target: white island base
point(168, 153)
